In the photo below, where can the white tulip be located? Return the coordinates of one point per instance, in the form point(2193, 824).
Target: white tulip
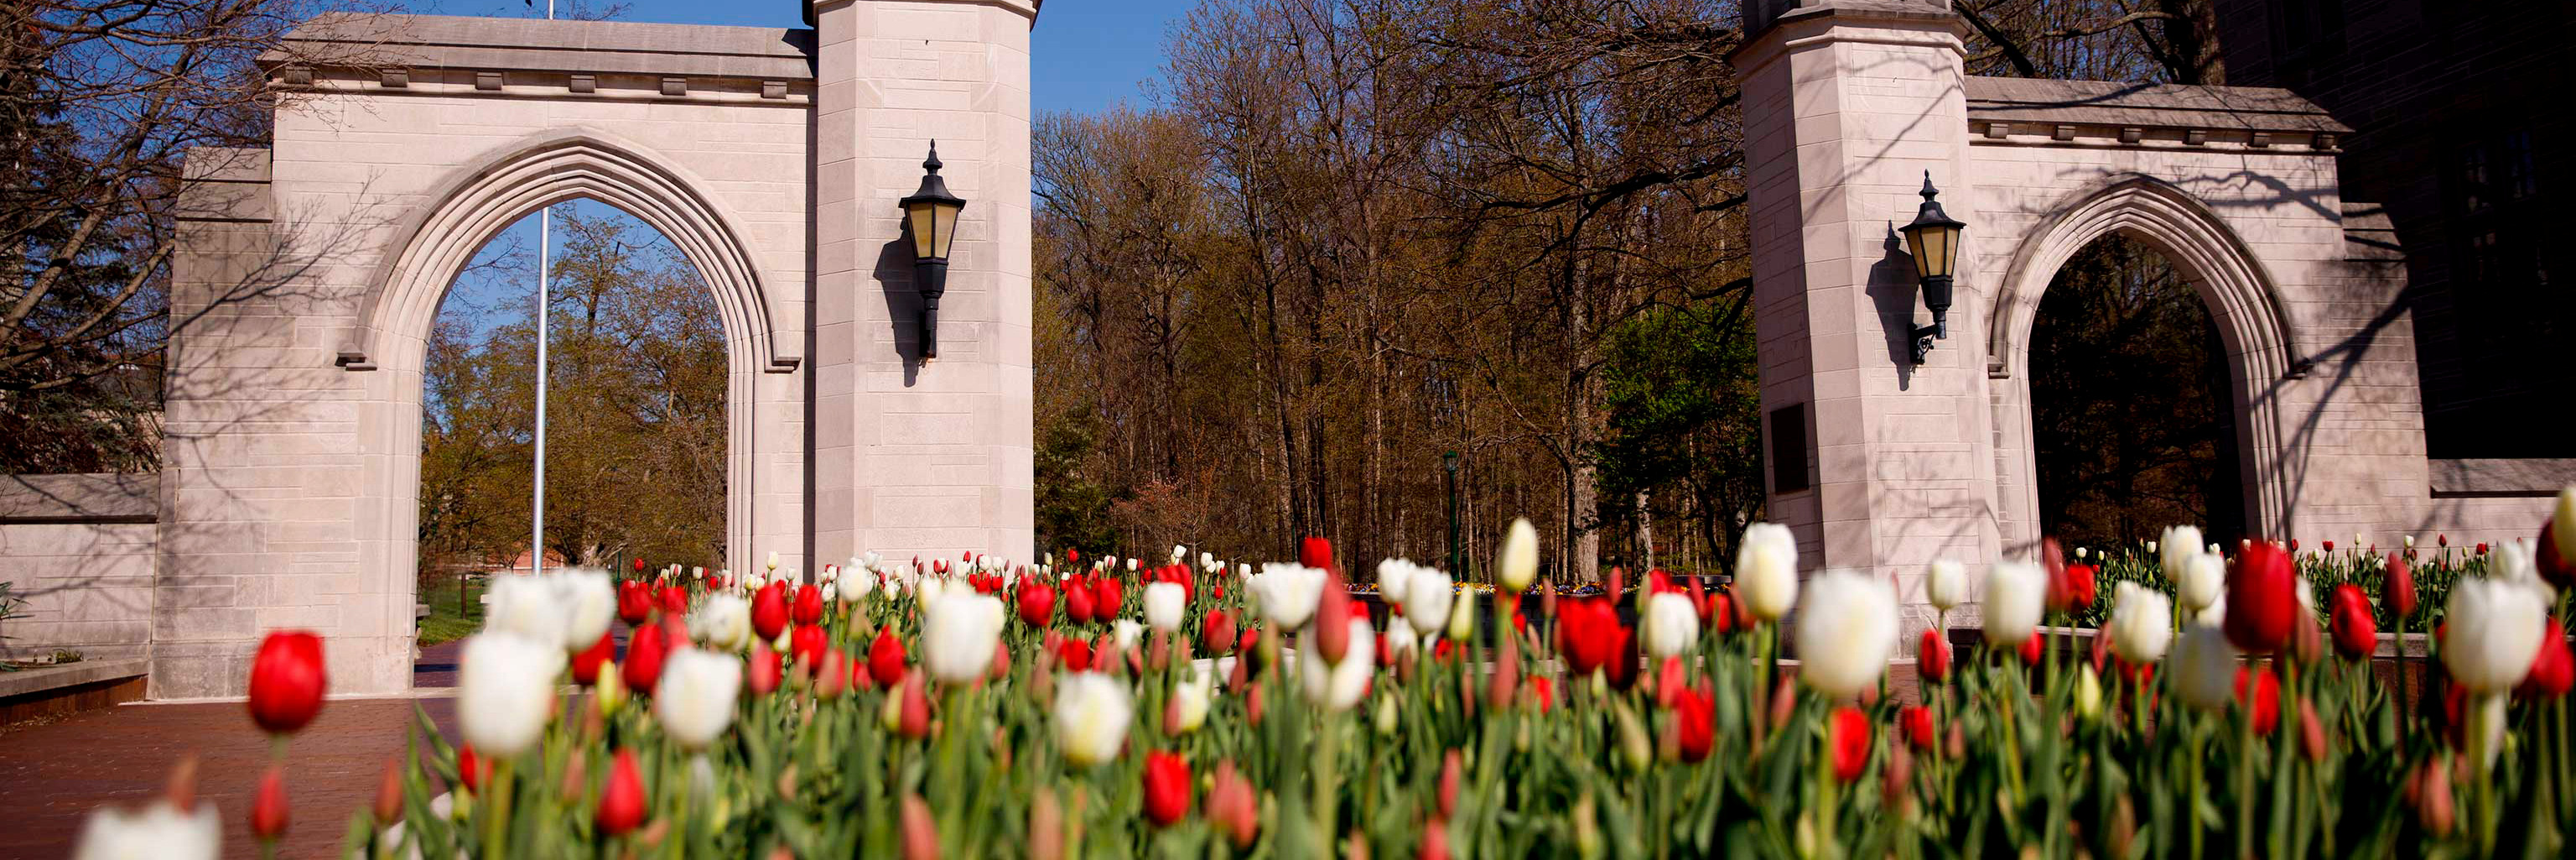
point(2514, 561)
point(873, 560)
point(1671, 624)
point(1946, 585)
point(1846, 631)
point(1243, 570)
point(525, 605)
point(156, 832)
point(1394, 575)
point(1179, 552)
point(2202, 581)
point(2016, 596)
point(1338, 686)
point(2081, 553)
point(1766, 570)
point(1164, 603)
point(695, 701)
point(505, 692)
point(1518, 565)
point(2307, 596)
point(723, 622)
point(958, 635)
point(2141, 624)
point(831, 592)
point(1430, 596)
point(2487, 718)
point(2180, 543)
point(1400, 639)
point(753, 583)
point(1091, 716)
point(1191, 695)
point(2495, 629)
point(857, 588)
point(2410, 541)
point(2088, 692)
point(1131, 565)
point(1289, 593)
point(930, 589)
point(697, 573)
point(1462, 620)
point(1126, 631)
point(2151, 547)
point(2203, 667)
point(773, 560)
point(588, 602)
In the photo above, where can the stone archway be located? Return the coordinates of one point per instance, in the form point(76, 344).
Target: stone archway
point(2243, 303)
point(390, 334)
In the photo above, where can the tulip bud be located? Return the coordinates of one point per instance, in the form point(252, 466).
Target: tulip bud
point(2088, 692)
point(920, 831)
point(915, 722)
point(1046, 827)
point(2312, 731)
point(268, 810)
point(622, 803)
point(1386, 716)
point(1784, 704)
point(287, 681)
point(1897, 781)
point(389, 794)
point(1333, 621)
point(2433, 797)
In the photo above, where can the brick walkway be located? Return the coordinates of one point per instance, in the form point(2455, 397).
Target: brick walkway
point(52, 775)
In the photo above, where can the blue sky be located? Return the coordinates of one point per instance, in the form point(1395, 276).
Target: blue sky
point(1086, 55)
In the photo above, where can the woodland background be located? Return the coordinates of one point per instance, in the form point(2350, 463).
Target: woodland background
point(1340, 240)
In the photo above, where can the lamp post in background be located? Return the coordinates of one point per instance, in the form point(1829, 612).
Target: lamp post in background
point(930, 214)
point(1933, 238)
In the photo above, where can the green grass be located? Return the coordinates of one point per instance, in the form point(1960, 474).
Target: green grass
point(449, 619)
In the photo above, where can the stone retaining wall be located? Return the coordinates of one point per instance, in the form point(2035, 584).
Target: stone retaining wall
point(82, 550)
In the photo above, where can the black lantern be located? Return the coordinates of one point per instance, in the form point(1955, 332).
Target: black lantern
point(1933, 238)
point(930, 215)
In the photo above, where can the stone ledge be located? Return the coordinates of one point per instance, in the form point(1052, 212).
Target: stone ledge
point(2500, 478)
point(36, 694)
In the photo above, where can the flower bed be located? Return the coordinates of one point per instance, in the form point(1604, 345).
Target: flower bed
point(895, 709)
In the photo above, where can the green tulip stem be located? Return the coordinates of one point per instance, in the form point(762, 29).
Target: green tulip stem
point(2484, 789)
point(2245, 772)
point(1327, 765)
point(2199, 787)
point(496, 810)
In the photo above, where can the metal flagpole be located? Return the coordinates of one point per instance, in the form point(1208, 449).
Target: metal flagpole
point(545, 225)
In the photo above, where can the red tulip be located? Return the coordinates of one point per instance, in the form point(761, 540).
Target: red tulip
point(1037, 603)
point(2080, 583)
point(1695, 723)
point(1315, 552)
point(634, 602)
point(913, 718)
point(585, 665)
point(1932, 657)
point(621, 801)
point(2355, 634)
point(2265, 705)
point(1545, 687)
point(2031, 648)
point(806, 645)
point(471, 769)
point(1333, 620)
point(885, 659)
point(1850, 737)
point(1077, 601)
point(1916, 722)
point(675, 600)
point(2482, 547)
point(1074, 655)
point(644, 653)
point(2262, 599)
point(2553, 669)
point(2061, 589)
point(2329, 545)
point(2398, 586)
point(2312, 731)
point(286, 681)
point(1588, 633)
point(2554, 565)
point(765, 671)
point(1720, 611)
point(268, 810)
point(1217, 632)
point(1167, 788)
point(809, 604)
point(1106, 598)
point(769, 610)
point(1435, 841)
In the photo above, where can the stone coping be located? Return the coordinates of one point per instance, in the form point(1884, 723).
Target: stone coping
point(32, 681)
point(516, 44)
